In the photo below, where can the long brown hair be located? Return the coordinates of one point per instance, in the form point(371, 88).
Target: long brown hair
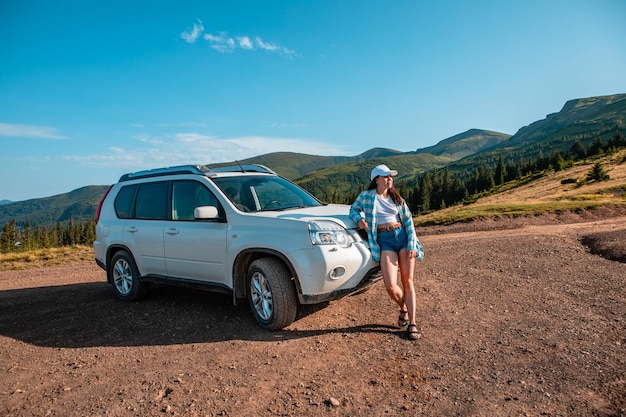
point(395, 195)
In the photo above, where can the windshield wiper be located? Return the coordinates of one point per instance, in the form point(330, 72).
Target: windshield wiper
point(286, 208)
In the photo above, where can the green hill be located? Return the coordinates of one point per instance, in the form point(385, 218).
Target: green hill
point(290, 164)
point(353, 176)
point(79, 204)
point(583, 120)
point(467, 143)
point(295, 165)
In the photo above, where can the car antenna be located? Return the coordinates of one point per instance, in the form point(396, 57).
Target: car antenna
point(242, 168)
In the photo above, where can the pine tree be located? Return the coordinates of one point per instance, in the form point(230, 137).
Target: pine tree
point(597, 173)
point(414, 203)
point(596, 147)
point(60, 235)
point(578, 150)
point(500, 171)
point(27, 237)
point(88, 234)
point(558, 162)
point(446, 188)
point(8, 238)
point(425, 193)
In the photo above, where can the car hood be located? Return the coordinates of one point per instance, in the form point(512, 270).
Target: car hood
point(337, 212)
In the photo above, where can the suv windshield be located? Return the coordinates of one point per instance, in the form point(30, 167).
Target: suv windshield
point(261, 193)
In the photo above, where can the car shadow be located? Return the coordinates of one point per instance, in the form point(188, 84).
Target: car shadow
point(88, 315)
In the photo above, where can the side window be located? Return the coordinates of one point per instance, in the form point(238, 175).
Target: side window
point(187, 195)
point(124, 201)
point(151, 201)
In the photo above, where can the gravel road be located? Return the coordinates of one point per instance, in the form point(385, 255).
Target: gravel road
point(519, 318)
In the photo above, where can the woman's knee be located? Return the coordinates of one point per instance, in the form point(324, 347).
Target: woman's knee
point(393, 288)
point(407, 283)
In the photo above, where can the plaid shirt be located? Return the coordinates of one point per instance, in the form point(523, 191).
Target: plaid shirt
point(364, 208)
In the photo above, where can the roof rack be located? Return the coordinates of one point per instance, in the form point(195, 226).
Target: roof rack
point(180, 169)
point(243, 168)
point(194, 169)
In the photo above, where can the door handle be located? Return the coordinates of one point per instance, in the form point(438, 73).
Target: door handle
point(131, 229)
point(172, 231)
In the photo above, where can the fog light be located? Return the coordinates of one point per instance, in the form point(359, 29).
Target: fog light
point(338, 272)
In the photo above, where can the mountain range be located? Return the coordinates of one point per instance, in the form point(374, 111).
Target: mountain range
point(583, 120)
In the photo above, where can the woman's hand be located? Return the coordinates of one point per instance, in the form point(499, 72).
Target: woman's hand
point(412, 254)
point(362, 224)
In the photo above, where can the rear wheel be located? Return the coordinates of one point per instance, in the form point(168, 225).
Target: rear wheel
point(271, 294)
point(124, 277)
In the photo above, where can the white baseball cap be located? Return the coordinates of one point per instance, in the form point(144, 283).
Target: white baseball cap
point(382, 171)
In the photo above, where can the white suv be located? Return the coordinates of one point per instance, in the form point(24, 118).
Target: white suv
point(242, 230)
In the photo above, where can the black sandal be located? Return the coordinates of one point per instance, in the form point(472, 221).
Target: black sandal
point(402, 321)
point(413, 332)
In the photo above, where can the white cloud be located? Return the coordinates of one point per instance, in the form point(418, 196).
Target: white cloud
point(266, 45)
point(245, 42)
point(223, 42)
point(190, 36)
point(28, 131)
point(272, 47)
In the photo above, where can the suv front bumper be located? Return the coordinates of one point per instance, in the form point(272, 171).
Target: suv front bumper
point(372, 276)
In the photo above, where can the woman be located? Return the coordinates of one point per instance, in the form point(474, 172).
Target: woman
point(385, 215)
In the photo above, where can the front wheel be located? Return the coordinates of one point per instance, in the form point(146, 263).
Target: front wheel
point(124, 277)
point(271, 294)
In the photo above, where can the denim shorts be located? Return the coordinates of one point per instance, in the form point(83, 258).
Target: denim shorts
point(393, 240)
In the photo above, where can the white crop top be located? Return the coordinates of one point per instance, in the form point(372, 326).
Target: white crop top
point(386, 210)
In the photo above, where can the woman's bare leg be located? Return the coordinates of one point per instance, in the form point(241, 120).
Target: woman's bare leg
point(389, 268)
point(407, 271)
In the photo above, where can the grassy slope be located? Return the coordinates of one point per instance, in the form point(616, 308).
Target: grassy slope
point(545, 194)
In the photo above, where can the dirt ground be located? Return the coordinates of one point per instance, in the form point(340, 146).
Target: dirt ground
point(520, 317)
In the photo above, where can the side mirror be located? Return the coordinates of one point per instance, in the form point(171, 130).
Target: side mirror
point(205, 213)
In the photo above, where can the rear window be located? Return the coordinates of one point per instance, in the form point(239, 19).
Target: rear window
point(151, 201)
point(124, 201)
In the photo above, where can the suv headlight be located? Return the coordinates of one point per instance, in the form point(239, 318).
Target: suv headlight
point(326, 232)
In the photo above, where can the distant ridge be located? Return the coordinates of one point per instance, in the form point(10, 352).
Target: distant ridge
point(295, 165)
point(378, 153)
point(5, 202)
point(583, 119)
point(290, 164)
point(466, 143)
point(584, 116)
point(79, 204)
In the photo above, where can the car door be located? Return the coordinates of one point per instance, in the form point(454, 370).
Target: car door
point(143, 231)
point(194, 249)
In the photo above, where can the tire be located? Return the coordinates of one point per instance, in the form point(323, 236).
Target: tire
point(124, 277)
point(271, 294)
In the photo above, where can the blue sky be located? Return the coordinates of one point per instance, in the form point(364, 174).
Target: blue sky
point(90, 90)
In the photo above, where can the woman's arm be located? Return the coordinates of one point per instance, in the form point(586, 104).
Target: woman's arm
point(356, 209)
point(407, 221)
